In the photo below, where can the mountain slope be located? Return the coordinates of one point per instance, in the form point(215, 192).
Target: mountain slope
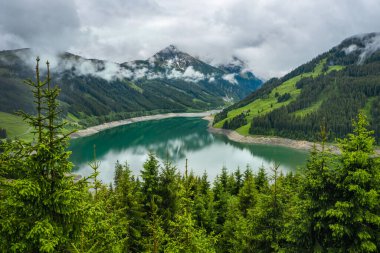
point(95, 91)
point(330, 90)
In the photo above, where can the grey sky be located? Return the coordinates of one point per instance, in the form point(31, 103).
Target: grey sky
point(272, 36)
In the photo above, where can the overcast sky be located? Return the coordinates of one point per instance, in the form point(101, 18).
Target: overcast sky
point(272, 36)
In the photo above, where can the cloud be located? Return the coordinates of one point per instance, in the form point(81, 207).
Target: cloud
point(230, 78)
point(45, 26)
point(272, 36)
point(106, 70)
point(140, 73)
point(350, 49)
point(193, 75)
point(370, 47)
point(189, 75)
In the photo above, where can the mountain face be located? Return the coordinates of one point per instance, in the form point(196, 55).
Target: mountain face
point(328, 91)
point(97, 90)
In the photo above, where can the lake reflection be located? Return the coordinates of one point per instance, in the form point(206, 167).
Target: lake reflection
point(176, 139)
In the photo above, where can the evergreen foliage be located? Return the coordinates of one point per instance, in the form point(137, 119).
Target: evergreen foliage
point(42, 208)
point(235, 122)
point(284, 97)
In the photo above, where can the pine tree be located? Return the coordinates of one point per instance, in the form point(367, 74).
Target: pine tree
point(126, 201)
point(236, 230)
point(355, 225)
point(261, 180)
point(151, 201)
point(221, 196)
point(168, 190)
point(247, 195)
point(149, 186)
point(238, 180)
point(342, 195)
point(319, 187)
point(203, 209)
point(266, 218)
point(184, 235)
point(42, 208)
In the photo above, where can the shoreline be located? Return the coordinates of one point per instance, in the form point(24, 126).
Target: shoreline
point(271, 140)
point(230, 134)
point(98, 128)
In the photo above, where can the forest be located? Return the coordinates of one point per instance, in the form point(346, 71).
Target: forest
point(337, 98)
point(341, 94)
point(332, 89)
point(330, 205)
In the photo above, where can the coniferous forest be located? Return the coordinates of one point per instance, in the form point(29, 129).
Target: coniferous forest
point(330, 205)
point(331, 90)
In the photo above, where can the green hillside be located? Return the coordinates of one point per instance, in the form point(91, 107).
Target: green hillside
point(95, 91)
point(15, 126)
point(267, 104)
point(330, 90)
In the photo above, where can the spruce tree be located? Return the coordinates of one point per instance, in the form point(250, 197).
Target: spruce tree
point(247, 195)
point(127, 203)
point(261, 180)
point(236, 230)
point(149, 187)
point(151, 200)
point(342, 195)
point(168, 190)
point(317, 194)
point(355, 225)
point(42, 208)
point(184, 234)
point(266, 218)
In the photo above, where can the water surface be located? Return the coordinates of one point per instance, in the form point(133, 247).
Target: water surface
point(177, 139)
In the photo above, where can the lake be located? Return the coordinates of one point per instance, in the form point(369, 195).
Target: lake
point(177, 139)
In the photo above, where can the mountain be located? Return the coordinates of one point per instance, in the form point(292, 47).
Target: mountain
point(173, 65)
point(330, 90)
point(94, 91)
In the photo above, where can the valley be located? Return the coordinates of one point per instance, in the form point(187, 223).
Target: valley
point(95, 91)
point(189, 126)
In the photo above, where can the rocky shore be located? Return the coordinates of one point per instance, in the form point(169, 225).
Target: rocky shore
point(270, 140)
